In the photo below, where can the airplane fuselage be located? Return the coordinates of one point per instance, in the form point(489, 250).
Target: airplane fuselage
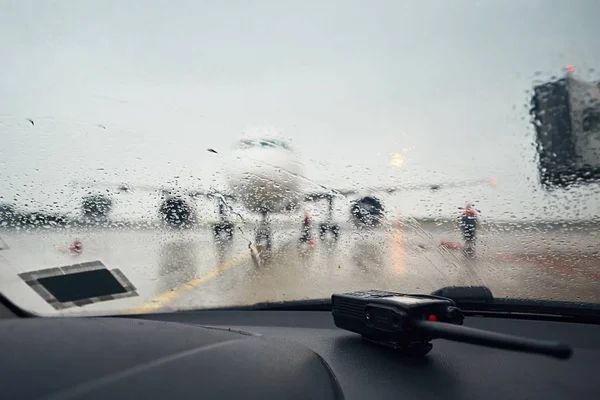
point(266, 175)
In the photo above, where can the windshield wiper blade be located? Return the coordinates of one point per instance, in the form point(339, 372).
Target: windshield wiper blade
point(466, 294)
point(536, 309)
point(479, 301)
point(456, 293)
point(294, 305)
point(473, 300)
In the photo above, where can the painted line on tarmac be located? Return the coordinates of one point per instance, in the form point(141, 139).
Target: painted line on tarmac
point(167, 297)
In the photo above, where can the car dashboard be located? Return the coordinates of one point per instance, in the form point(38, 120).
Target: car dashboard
point(287, 354)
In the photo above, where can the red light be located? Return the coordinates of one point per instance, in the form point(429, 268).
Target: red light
point(432, 317)
point(570, 68)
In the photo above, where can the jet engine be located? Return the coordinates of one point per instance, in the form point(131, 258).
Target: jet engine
point(177, 213)
point(367, 212)
point(96, 207)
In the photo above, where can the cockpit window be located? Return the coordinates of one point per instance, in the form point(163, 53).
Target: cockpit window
point(244, 144)
point(267, 143)
point(263, 143)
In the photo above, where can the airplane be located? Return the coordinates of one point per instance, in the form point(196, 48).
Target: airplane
point(264, 174)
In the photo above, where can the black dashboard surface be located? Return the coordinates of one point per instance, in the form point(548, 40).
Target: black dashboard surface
point(278, 354)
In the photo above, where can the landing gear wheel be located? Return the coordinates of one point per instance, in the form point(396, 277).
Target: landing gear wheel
point(223, 230)
point(263, 239)
point(305, 237)
point(335, 229)
point(326, 227)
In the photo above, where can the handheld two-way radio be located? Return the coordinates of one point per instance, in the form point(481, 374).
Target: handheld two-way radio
point(409, 322)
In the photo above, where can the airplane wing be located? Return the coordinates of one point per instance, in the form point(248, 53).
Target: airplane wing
point(327, 193)
point(128, 188)
point(436, 186)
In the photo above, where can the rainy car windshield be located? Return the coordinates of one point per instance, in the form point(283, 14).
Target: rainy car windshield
point(187, 155)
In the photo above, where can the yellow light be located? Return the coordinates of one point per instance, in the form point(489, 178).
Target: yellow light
point(397, 160)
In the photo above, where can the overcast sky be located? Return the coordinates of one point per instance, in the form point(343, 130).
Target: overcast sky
point(137, 91)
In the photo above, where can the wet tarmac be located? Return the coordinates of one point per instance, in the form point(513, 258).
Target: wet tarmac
point(189, 269)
